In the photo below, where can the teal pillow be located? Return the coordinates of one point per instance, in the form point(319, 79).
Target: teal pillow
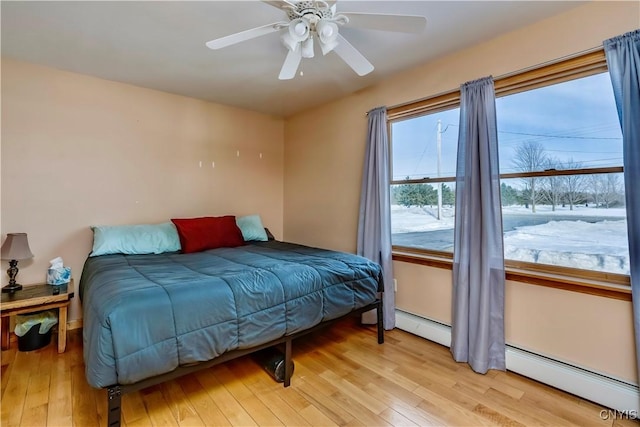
point(252, 228)
point(135, 239)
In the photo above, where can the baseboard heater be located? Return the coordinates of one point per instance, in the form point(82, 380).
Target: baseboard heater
point(604, 390)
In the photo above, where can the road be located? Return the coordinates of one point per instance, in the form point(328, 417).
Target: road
point(442, 240)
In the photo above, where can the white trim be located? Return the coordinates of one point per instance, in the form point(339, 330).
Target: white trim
point(589, 385)
point(425, 328)
point(74, 324)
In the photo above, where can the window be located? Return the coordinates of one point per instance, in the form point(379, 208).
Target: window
point(572, 214)
point(422, 191)
point(562, 186)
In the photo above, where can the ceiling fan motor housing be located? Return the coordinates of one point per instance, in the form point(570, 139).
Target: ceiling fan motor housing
point(312, 10)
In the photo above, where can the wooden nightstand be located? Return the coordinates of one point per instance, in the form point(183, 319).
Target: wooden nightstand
point(35, 298)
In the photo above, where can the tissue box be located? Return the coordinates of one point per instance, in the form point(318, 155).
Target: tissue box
point(58, 276)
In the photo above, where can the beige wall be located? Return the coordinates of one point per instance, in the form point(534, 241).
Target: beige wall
point(592, 332)
point(323, 177)
point(80, 151)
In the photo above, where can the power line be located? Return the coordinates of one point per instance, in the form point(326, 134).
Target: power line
point(556, 136)
point(561, 136)
point(582, 151)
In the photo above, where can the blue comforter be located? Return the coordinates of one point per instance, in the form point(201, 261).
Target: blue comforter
point(145, 315)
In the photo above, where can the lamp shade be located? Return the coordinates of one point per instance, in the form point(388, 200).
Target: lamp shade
point(16, 246)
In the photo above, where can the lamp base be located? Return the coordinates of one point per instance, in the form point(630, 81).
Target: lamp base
point(12, 272)
point(12, 287)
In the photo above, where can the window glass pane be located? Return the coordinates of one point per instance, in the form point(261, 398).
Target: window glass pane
point(568, 125)
point(589, 234)
point(576, 221)
point(416, 220)
point(415, 145)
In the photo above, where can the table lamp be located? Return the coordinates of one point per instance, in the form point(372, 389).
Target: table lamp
point(14, 248)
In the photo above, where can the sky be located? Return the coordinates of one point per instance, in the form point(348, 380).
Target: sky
point(574, 121)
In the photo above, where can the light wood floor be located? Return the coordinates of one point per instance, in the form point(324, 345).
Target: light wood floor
point(342, 377)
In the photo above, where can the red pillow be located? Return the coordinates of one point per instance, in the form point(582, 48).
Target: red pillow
point(198, 234)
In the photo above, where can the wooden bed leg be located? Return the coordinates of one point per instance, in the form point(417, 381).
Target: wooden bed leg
point(380, 315)
point(288, 363)
point(114, 395)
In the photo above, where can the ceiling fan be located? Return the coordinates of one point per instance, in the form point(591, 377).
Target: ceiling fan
point(318, 21)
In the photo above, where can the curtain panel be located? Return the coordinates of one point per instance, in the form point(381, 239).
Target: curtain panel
point(477, 330)
point(374, 223)
point(623, 61)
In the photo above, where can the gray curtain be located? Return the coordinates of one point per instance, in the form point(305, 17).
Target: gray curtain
point(477, 334)
point(623, 60)
point(374, 224)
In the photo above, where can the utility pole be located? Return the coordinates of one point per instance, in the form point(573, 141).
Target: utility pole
point(439, 147)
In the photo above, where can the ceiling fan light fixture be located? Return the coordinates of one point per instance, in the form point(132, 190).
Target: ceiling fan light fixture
point(299, 29)
point(327, 34)
point(297, 32)
point(289, 42)
point(328, 47)
point(307, 48)
point(327, 30)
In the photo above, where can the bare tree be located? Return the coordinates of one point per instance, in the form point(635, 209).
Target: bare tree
point(530, 156)
point(552, 186)
point(612, 189)
point(597, 185)
point(573, 184)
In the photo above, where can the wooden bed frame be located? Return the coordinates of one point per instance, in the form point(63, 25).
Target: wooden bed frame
point(115, 392)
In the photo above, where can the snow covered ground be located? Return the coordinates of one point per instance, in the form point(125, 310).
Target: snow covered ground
point(407, 220)
point(577, 210)
point(600, 246)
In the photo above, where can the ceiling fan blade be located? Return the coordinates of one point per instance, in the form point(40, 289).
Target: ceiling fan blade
point(352, 57)
point(280, 4)
point(291, 63)
point(244, 35)
point(384, 22)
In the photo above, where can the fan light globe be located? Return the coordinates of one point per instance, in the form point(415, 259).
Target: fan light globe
point(297, 32)
point(300, 29)
point(326, 31)
point(328, 35)
point(307, 48)
point(289, 42)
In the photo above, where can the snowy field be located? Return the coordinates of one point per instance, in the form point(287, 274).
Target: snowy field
point(408, 220)
point(600, 246)
point(577, 211)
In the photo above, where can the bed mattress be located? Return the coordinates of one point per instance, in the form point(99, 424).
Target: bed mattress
point(145, 315)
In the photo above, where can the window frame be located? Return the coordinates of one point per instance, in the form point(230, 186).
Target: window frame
point(593, 282)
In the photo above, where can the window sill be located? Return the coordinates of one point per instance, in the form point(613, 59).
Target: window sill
point(552, 280)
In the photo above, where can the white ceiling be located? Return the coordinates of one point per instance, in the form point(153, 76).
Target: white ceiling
point(161, 44)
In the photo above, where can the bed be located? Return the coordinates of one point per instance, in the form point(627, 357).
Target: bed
point(153, 317)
